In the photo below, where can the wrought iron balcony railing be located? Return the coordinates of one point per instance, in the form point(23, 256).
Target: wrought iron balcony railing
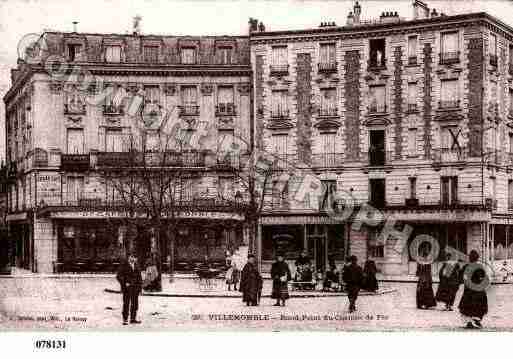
point(189, 110)
point(327, 67)
point(443, 155)
point(112, 109)
point(328, 111)
point(279, 70)
point(185, 159)
point(327, 160)
point(378, 157)
point(280, 112)
point(225, 109)
point(378, 108)
point(450, 57)
point(412, 107)
point(374, 64)
point(449, 104)
point(75, 162)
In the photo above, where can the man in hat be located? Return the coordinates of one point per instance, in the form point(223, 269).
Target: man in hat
point(280, 273)
point(353, 277)
point(250, 282)
point(130, 280)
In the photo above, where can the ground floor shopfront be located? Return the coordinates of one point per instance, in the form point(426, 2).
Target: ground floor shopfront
point(325, 240)
point(71, 242)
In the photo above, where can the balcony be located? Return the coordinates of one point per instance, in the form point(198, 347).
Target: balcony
point(412, 108)
point(451, 57)
point(377, 108)
point(327, 160)
point(189, 110)
point(436, 205)
point(113, 110)
point(327, 67)
point(74, 109)
point(412, 60)
point(449, 104)
point(493, 60)
point(447, 155)
point(374, 65)
point(75, 162)
point(119, 159)
point(279, 70)
point(225, 109)
point(280, 113)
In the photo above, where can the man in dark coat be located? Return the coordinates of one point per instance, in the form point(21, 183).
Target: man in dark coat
point(250, 282)
point(370, 282)
point(353, 278)
point(280, 273)
point(449, 276)
point(474, 301)
point(130, 280)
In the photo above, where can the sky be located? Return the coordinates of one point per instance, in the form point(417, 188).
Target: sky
point(192, 17)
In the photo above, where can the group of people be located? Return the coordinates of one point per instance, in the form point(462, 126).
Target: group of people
point(473, 305)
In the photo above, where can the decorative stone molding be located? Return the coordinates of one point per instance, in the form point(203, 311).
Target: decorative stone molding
point(56, 87)
point(279, 124)
point(169, 89)
point(207, 89)
point(244, 88)
point(74, 120)
point(327, 124)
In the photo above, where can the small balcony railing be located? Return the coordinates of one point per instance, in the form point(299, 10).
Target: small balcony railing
point(279, 70)
point(444, 155)
point(74, 109)
point(449, 104)
point(412, 60)
point(377, 108)
point(119, 159)
point(493, 60)
point(112, 109)
point(189, 110)
point(280, 113)
point(75, 162)
point(327, 67)
point(225, 109)
point(412, 107)
point(450, 57)
point(331, 111)
point(327, 160)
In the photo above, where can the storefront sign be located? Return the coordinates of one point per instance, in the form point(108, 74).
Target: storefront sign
point(120, 214)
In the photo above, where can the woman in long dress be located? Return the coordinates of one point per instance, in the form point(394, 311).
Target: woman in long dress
point(474, 302)
point(250, 282)
point(449, 282)
point(280, 273)
point(370, 283)
point(425, 294)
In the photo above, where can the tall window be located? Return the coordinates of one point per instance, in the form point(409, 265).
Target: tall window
point(189, 99)
point(412, 141)
point(328, 142)
point(113, 140)
point(225, 54)
point(510, 195)
point(413, 187)
point(225, 187)
point(75, 102)
point(75, 141)
point(450, 47)
point(493, 188)
point(74, 51)
point(449, 190)
point(329, 190)
point(377, 96)
point(510, 103)
point(74, 188)
point(279, 105)
point(113, 53)
point(279, 56)
point(188, 55)
point(151, 94)
point(151, 54)
point(412, 50)
point(225, 95)
point(187, 189)
point(510, 145)
point(449, 94)
point(328, 105)
point(493, 49)
point(412, 97)
point(279, 145)
point(328, 54)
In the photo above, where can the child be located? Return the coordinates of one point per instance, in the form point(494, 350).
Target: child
point(504, 271)
point(232, 276)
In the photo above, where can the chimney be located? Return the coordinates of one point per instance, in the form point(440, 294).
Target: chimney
point(420, 10)
point(75, 23)
point(357, 10)
point(136, 30)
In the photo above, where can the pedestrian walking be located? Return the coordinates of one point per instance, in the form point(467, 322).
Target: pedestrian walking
point(353, 278)
point(449, 276)
point(425, 295)
point(232, 276)
point(250, 282)
point(474, 302)
point(370, 283)
point(130, 280)
point(280, 273)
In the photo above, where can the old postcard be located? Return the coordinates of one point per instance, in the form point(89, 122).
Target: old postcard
point(256, 166)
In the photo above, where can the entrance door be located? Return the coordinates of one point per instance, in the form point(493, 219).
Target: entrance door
point(321, 254)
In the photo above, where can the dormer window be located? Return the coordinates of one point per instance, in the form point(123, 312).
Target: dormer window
point(74, 51)
point(377, 53)
point(113, 53)
point(188, 55)
point(151, 54)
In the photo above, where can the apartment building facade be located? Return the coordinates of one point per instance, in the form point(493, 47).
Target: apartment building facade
point(411, 117)
point(89, 111)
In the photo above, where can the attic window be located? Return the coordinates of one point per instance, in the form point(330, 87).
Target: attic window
point(74, 51)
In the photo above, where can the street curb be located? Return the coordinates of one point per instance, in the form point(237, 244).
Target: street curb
point(305, 295)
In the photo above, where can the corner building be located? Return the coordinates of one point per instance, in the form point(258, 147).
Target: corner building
point(410, 116)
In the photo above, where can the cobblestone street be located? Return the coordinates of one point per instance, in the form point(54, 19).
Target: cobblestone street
point(82, 303)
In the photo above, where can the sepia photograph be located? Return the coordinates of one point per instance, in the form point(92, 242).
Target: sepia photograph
point(255, 166)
